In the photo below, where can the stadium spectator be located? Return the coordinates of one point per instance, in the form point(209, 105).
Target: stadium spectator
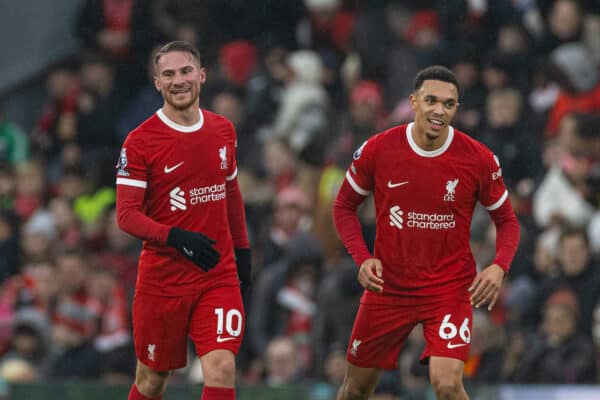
point(558, 353)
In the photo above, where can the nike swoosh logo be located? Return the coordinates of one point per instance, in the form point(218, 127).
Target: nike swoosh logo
point(452, 346)
point(173, 168)
point(394, 185)
point(188, 252)
point(225, 339)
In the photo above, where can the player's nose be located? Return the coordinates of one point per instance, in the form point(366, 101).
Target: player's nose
point(178, 79)
point(438, 108)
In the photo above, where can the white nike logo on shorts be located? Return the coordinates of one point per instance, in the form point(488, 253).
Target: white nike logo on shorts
point(394, 185)
point(452, 346)
point(173, 168)
point(225, 339)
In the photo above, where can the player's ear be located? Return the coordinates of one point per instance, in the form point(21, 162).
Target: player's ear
point(413, 101)
point(156, 82)
point(202, 75)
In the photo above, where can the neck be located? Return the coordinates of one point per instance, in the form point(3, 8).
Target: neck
point(187, 117)
point(427, 141)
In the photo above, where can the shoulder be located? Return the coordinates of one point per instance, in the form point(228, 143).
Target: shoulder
point(472, 147)
point(392, 134)
point(145, 129)
point(219, 123)
point(216, 120)
point(382, 140)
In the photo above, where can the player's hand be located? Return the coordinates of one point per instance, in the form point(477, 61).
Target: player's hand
point(244, 268)
point(369, 275)
point(486, 286)
point(195, 247)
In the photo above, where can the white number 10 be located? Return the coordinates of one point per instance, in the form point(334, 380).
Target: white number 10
point(231, 314)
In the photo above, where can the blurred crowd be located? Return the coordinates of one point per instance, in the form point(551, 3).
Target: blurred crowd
point(305, 83)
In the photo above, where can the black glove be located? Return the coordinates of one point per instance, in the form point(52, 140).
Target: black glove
point(195, 246)
point(244, 268)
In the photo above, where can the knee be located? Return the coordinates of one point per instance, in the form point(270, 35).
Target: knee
point(151, 383)
point(447, 386)
point(353, 391)
point(220, 372)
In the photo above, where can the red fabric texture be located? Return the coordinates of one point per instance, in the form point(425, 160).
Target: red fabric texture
point(133, 221)
point(507, 234)
point(134, 394)
point(236, 215)
point(347, 223)
point(214, 393)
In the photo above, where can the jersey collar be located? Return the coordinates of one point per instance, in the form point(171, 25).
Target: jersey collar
point(426, 153)
point(181, 128)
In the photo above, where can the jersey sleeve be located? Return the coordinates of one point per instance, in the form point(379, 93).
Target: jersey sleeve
point(131, 188)
point(361, 171)
point(131, 167)
point(492, 192)
point(232, 146)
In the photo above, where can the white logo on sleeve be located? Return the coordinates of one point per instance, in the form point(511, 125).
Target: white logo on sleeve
point(173, 168)
point(497, 174)
point(451, 190)
point(122, 163)
point(176, 199)
point(223, 155)
point(396, 217)
point(151, 348)
point(355, 344)
point(358, 151)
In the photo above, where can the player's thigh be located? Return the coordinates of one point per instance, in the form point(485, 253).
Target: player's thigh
point(160, 330)
point(447, 329)
point(218, 320)
point(378, 335)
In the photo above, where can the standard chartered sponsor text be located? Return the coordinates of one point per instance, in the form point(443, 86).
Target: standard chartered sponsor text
point(430, 221)
point(205, 194)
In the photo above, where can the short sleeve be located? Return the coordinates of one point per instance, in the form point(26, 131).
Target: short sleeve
point(492, 193)
point(361, 171)
point(232, 145)
point(131, 166)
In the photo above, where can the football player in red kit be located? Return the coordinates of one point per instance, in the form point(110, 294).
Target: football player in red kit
point(426, 178)
point(177, 190)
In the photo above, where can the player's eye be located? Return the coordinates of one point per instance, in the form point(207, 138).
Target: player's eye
point(449, 105)
point(430, 100)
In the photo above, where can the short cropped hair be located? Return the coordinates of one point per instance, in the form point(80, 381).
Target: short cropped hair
point(177, 45)
point(436, 73)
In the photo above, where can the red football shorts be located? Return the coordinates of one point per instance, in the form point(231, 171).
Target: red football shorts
point(213, 319)
point(380, 331)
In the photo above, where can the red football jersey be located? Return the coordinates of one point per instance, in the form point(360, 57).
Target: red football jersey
point(424, 202)
point(183, 170)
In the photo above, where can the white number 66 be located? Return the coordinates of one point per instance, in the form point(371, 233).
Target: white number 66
point(448, 330)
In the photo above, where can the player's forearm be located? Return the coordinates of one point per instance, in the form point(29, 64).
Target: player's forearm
point(507, 234)
point(131, 219)
point(236, 215)
point(347, 223)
